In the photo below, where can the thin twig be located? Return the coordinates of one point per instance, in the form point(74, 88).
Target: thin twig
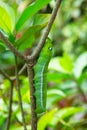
point(14, 77)
point(11, 47)
point(10, 106)
point(19, 94)
point(22, 69)
point(5, 74)
point(33, 100)
point(20, 72)
point(47, 30)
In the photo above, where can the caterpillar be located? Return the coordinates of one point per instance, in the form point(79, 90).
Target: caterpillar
point(40, 77)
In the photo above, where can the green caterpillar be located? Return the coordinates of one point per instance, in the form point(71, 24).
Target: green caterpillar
point(40, 79)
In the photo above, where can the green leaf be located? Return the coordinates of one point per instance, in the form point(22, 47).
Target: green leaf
point(57, 77)
point(53, 92)
point(65, 112)
point(25, 92)
point(40, 19)
point(45, 119)
point(30, 11)
point(7, 17)
point(68, 88)
point(54, 95)
point(2, 47)
point(54, 65)
point(61, 64)
point(83, 87)
point(66, 63)
point(27, 42)
point(80, 63)
point(6, 59)
point(29, 36)
point(14, 127)
point(2, 120)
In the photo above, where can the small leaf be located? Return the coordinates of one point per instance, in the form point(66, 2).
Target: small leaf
point(40, 19)
point(30, 11)
point(80, 63)
point(29, 36)
point(6, 59)
point(66, 63)
point(65, 112)
point(56, 92)
point(54, 65)
point(61, 64)
point(14, 127)
point(2, 120)
point(57, 77)
point(54, 95)
point(83, 86)
point(2, 47)
point(7, 20)
point(45, 119)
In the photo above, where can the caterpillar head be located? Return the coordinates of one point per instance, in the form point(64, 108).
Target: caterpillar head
point(48, 49)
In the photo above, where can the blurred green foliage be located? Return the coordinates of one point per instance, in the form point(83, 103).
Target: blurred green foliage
point(67, 75)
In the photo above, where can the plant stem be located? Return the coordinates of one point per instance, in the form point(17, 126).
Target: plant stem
point(19, 94)
point(32, 98)
point(10, 106)
point(20, 72)
point(5, 74)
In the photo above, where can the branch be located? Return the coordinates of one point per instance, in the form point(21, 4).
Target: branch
point(11, 47)
point(5, 74)
point(47, 30)
point(22, 69)
point(20, 72)
point(32, 98)
point(10, 106)
point(19, 95)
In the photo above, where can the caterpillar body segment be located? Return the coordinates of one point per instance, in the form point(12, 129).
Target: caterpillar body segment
point(40, 77)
